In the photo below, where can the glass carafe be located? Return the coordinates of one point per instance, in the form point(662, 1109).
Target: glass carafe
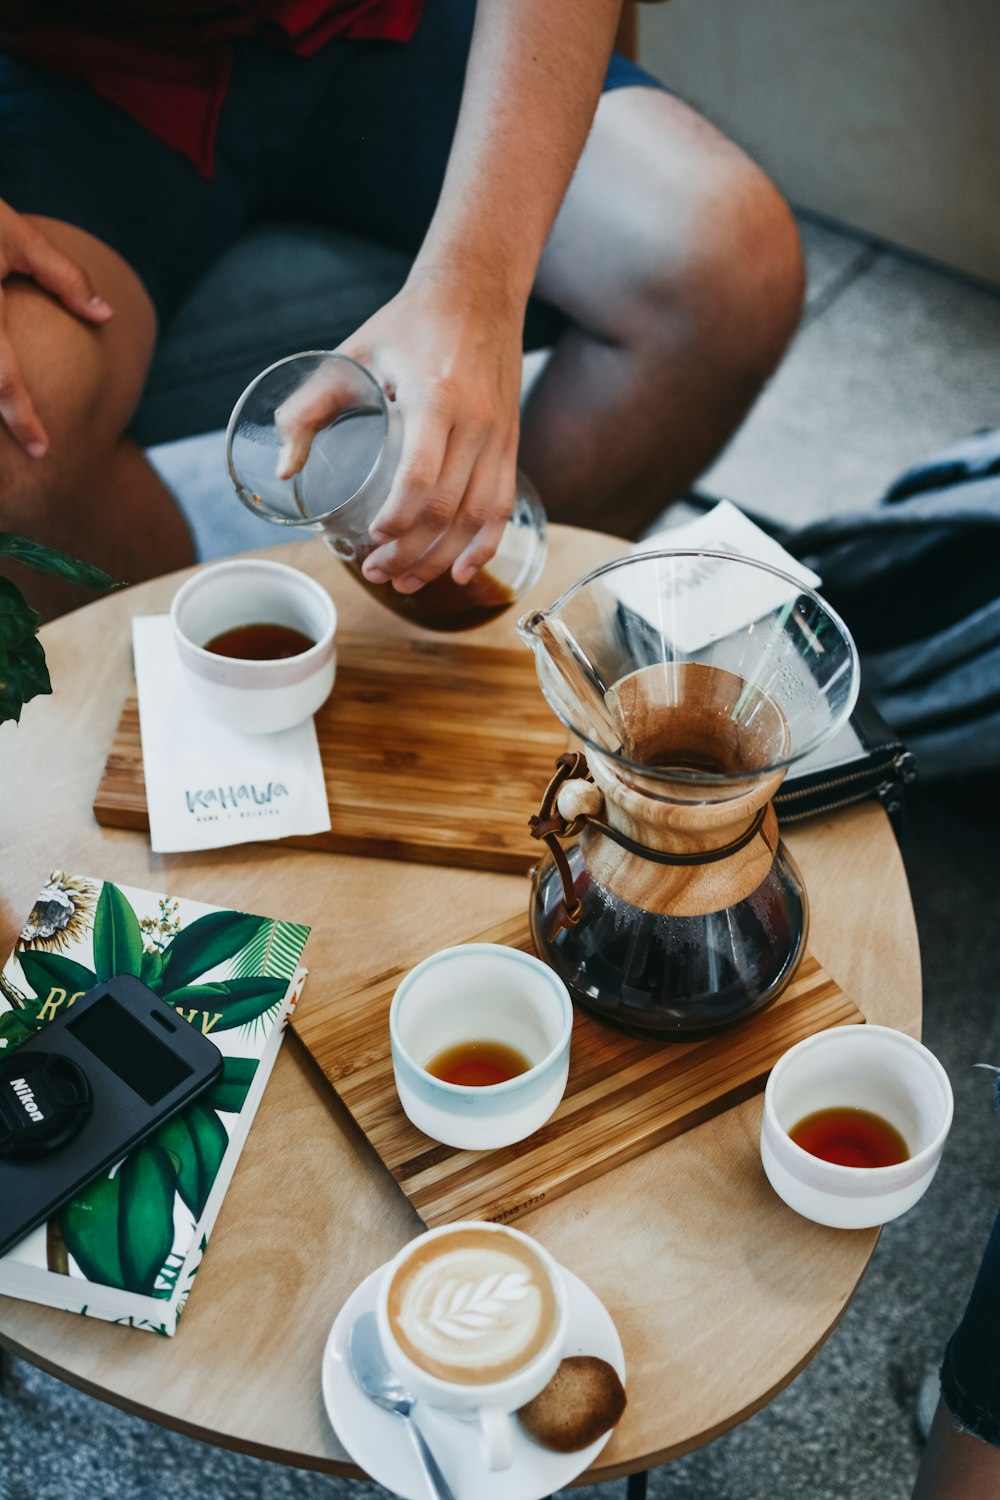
point(693, 680)
point(346, 478)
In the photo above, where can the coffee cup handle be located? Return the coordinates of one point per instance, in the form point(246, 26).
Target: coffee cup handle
point(496, 1432)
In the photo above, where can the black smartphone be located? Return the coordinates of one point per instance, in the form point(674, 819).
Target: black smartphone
point(76, 1097)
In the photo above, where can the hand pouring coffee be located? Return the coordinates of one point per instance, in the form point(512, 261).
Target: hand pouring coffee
point(336, 482)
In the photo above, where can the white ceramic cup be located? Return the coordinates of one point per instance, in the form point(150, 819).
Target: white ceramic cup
point(255, 697)
point(857, 1067)
point(483, 992)
point(491, 1405)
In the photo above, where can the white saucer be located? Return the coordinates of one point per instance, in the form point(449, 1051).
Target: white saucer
point(378, 1442)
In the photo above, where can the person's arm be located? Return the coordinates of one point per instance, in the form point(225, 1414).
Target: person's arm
point(448, 346)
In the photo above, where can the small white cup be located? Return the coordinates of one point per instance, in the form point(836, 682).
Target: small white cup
point(856, 1067)
point(492, 1405)
point(488, 992)
point(255, 697)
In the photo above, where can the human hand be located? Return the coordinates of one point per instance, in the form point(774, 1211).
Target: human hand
point(25, 251)
point(448, 352)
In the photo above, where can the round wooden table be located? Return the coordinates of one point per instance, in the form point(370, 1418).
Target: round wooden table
point(720, 1293)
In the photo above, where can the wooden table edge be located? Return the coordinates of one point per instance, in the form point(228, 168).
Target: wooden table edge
point(347, 1470)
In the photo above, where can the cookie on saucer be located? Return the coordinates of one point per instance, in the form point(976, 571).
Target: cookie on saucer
point(582, 1400)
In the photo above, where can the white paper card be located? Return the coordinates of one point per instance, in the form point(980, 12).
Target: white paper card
point(713, 610)
point(207, 786)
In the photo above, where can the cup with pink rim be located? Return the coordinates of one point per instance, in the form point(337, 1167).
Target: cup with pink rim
point(863, 1082)
point(255, 696)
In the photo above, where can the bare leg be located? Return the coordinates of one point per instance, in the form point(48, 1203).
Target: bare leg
point(956, 1465)
point(93, 494)
point(680, 265)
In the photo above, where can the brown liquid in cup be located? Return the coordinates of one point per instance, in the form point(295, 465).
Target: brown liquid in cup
point(442, 604)
point(850, 1138)
point(478, 1064)
point(260, 642)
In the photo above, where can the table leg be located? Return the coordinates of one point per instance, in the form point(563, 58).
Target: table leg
point(635, 1486)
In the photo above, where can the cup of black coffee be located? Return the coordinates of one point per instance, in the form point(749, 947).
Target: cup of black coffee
point(256, 643)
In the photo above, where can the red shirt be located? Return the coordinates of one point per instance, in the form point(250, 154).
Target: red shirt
point(167, 63)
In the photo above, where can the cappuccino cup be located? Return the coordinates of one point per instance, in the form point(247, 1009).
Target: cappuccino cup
point(472, 1316)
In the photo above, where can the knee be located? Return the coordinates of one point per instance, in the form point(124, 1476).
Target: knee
point(732, 274)
point(64, 370)
point(32, 490)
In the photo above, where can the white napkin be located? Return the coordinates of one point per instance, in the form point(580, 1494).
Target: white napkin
point(712, 611)
point(207, 786)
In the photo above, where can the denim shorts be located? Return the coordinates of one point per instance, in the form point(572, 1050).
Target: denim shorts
point(970, 1372)
point(355, 138)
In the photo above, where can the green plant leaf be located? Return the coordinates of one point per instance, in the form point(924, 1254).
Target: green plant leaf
point(120, 1230)
point(25, 676)
point(117, 935)
point(18, 621)
point(47, 971)
point(230, 1091)
point(276, 949)
point(50, 560)
point(209, 941)
point(237, 1000)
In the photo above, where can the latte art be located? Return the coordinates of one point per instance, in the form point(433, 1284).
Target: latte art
point(474, 1306)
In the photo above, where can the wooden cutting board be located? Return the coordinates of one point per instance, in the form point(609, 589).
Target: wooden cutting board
point(434, 751)
point(624, 1095)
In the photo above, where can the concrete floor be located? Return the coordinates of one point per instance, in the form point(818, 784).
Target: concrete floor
point(894, 359)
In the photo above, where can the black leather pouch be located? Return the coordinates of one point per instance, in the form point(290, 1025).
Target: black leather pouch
point(865, 759)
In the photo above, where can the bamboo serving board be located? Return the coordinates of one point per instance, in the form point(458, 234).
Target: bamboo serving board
point(434, 751)
point(625, 1095)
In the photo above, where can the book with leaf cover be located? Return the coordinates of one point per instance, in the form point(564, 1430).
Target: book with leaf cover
point(127, 1247)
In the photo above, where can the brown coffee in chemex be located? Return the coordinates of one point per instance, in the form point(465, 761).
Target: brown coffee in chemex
point(472, 1307)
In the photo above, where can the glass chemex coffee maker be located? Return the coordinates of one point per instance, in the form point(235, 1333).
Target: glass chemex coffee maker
point(694, 680)
point(346, 471)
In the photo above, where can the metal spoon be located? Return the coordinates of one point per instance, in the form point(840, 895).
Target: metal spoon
point(382, 1385)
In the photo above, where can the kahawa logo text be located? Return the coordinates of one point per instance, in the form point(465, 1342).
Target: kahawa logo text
point(27, 1097)
point(234, 798)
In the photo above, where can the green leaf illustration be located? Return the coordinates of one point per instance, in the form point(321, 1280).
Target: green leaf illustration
point(48, 971)
point(275, 950)
point(237, 1001)
point(152, 970)
point(195, 1141)
point(209, 941)
point(230, 1092)
point(120, 1229)
point(13, 1030)
point(117, 935)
